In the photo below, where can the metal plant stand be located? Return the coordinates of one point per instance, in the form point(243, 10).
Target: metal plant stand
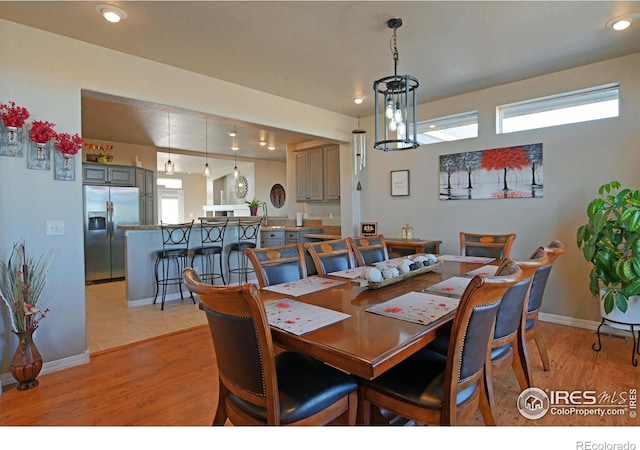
point(635, 338)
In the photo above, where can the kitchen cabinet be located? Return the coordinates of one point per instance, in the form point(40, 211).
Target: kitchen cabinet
point(331, 173)
point(293, 237)
point(272, 238)
point(145, 181)
point(108, 174)
point(318, 174)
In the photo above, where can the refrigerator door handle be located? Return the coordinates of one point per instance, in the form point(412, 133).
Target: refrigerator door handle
point(109, 220)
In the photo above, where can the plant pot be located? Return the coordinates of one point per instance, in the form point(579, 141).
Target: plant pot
point(254, 210)
point(27, 362)
point(622, 320)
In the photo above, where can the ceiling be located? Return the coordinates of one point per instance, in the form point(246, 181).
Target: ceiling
point(324, 53)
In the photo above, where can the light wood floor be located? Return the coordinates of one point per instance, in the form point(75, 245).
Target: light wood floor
point(111, 324)
point(172, 380)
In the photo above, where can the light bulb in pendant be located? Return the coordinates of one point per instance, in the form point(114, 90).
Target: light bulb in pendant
point(235, 173)
point(389, 110)
point(398, 114)
point(393, 125)
point(168, 167)
point(402, 131)
point(207, 170)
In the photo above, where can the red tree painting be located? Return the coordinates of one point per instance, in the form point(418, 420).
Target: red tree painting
point(505, 159)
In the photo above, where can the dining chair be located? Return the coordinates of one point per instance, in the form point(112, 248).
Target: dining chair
point(211, 248)
point(432, 388)
point(331, 256)
point(538, 285)
point(278, 264)
point(369, 249)
point(171, 259)
point(508, 345)
point(256, 386)
point(496, 246)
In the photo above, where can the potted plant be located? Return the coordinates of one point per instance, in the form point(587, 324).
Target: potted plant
point(253, 206)
point(610, 241)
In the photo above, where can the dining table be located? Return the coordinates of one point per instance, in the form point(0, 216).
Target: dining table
point(367, 344)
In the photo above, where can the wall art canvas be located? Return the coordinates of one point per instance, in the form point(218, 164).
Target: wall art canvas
point(510, 172)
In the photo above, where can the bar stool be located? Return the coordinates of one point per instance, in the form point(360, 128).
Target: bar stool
point(175, 250)
point(248, 232)
point(212, 237)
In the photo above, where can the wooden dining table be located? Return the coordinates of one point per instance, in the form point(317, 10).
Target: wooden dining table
point(367, 344)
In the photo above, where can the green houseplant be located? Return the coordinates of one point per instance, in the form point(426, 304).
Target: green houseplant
point(610, 241)
point(254, 205)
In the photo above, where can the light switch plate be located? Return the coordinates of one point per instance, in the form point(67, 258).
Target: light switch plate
point(55, 227)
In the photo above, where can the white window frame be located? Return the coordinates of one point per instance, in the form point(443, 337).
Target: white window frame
point(561, 109)
point(439, 126)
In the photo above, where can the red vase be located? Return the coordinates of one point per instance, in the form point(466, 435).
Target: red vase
point(27, 362)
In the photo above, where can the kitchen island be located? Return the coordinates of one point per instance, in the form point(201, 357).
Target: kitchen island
point(140, 244)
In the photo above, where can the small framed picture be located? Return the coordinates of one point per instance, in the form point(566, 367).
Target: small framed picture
point(399, 183)
point(368, 228)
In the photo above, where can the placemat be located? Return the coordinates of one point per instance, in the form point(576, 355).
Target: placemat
point(303, 286)
point(416, 307)
point(299, 318)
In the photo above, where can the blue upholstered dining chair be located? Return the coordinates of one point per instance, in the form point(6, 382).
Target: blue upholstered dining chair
point(538, 285)
point(278, 264)
point(432, 388)
point(258, 387)
point(496, 246)
point(331, 256)
point(369, 249)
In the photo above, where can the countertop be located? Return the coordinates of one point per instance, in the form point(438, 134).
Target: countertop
point(327, 237)
point(287, 228)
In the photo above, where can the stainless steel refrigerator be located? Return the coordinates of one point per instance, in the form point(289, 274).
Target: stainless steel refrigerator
point(106, 207)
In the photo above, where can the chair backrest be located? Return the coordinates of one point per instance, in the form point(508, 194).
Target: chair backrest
point(242, 341)
point(512, 312)
point(539, 283)
point(278, 264)
point(176, 236)
point(248, 229)
point(331, 256)
point(489, 245)
point(369, 249)
point(212, 231)
point(471, 332)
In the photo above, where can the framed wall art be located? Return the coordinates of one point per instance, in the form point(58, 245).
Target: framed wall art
point(399, 183)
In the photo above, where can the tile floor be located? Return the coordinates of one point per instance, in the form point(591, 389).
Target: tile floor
point(111, 324)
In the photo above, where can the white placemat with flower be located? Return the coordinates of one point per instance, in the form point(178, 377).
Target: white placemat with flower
point(299, 318)
point(484, 271)
point(466, 259)
point(416, 307)
point(452, 286)
point(303, 286)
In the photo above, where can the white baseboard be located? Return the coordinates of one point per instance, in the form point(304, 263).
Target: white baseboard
point(581, 323)
point(52, 366)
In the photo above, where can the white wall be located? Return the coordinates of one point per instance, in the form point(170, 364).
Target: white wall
point(45, 73)
point(578, 158)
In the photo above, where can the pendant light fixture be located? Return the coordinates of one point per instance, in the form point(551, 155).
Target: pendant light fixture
point(359, 146)
point(207, 170)
point(235, 154)
point(395, 109)
point(168, 166)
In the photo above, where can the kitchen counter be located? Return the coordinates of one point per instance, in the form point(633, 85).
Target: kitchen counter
point(287, 228)
point(321, 236)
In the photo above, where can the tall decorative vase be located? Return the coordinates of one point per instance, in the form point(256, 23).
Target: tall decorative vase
point(27, 362)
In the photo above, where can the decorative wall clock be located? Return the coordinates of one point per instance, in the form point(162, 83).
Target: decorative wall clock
point(241, 186)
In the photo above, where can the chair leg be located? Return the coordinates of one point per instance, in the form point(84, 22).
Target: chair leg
point(221, 411)
point(543, 351)
point(485, 406)
point(155, 271)
point(221, 269)
point(521, 358)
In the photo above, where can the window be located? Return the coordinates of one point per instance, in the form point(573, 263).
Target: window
point(169, 183)
point(571, 107)
point(449, 128)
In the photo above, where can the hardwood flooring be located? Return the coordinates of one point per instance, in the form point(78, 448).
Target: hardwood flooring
point(172, 380)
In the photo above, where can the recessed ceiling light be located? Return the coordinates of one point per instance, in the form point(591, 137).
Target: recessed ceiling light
point(358, 99)
point(271, 147)
point(231, 133)
point(112, 13)
point(622, 22)
point(262, 143)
